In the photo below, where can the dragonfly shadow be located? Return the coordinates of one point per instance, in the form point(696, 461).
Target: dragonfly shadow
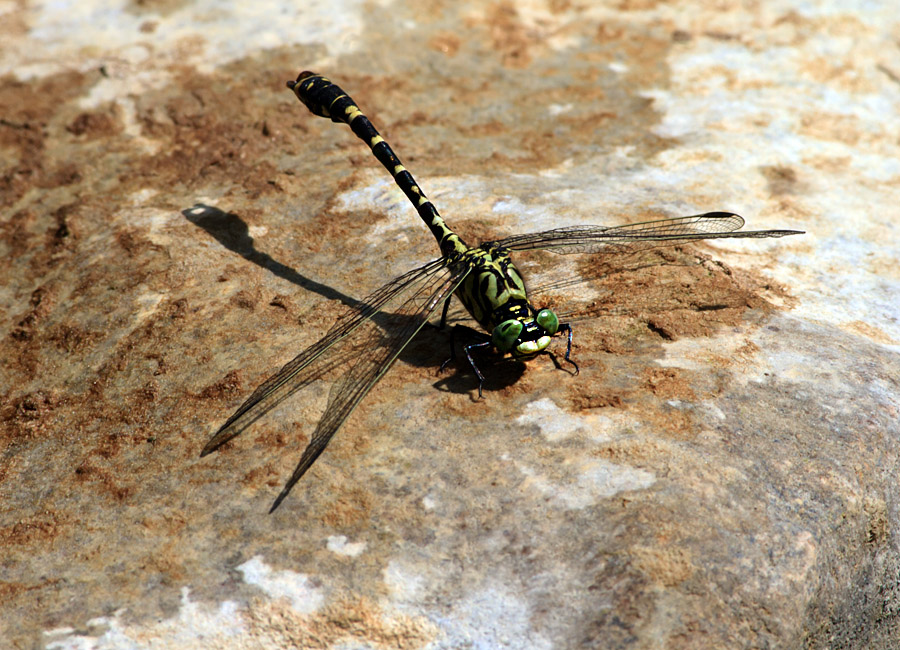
point(429, 348)
point(233, 233)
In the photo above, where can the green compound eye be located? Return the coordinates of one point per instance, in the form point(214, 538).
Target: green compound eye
point(505, 334)
point(548, 320)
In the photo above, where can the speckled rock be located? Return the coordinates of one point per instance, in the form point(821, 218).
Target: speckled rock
point(175, 226)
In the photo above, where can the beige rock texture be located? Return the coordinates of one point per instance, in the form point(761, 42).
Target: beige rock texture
point(175, 226)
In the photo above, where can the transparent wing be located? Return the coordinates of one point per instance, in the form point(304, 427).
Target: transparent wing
point(629, 249)
point(357, 339)
point(375, 350)
point(632, 237)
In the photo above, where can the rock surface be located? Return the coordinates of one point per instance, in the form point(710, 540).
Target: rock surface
point(175, 226)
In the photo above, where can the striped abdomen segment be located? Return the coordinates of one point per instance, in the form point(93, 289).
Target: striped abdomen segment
point(325, 99)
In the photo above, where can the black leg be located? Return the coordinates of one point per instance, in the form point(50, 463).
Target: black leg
point(568, 328)
point(466, 349)
point(474, 367)
point(452, 356)
point(473, 333)
point(444, 313)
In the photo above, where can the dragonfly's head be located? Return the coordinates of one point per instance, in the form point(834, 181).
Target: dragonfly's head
point(526, 337)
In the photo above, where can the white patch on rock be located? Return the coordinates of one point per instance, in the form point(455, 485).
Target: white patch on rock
point(195, 626)
point(595, 479)
point(494, 617)
point(296, 587)
point(68, 31)
point(404, 583)
point(559, 109)
point(338, 544)
point(556, 424)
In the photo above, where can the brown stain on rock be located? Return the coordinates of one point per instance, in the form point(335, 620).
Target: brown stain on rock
point(668, 383)
point(30, 115)
point(782, 180)
point(670, 292)
point(96, 124)
point(354, 505)
point(667, 566)
point(345, 620)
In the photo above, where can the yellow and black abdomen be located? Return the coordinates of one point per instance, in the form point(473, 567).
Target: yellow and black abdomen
point(325, 99)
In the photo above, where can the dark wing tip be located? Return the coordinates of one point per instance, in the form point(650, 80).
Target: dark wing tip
point(785, 233)
point(219, 439)
point(284, 492)
point(312, 452)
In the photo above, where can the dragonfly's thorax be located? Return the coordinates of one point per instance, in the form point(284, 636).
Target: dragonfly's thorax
point(494, 293)
point(492, 283)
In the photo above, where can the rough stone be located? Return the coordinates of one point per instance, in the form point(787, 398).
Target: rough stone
point(175, 226)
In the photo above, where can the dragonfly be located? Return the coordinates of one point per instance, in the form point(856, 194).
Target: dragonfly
point(367, 338)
